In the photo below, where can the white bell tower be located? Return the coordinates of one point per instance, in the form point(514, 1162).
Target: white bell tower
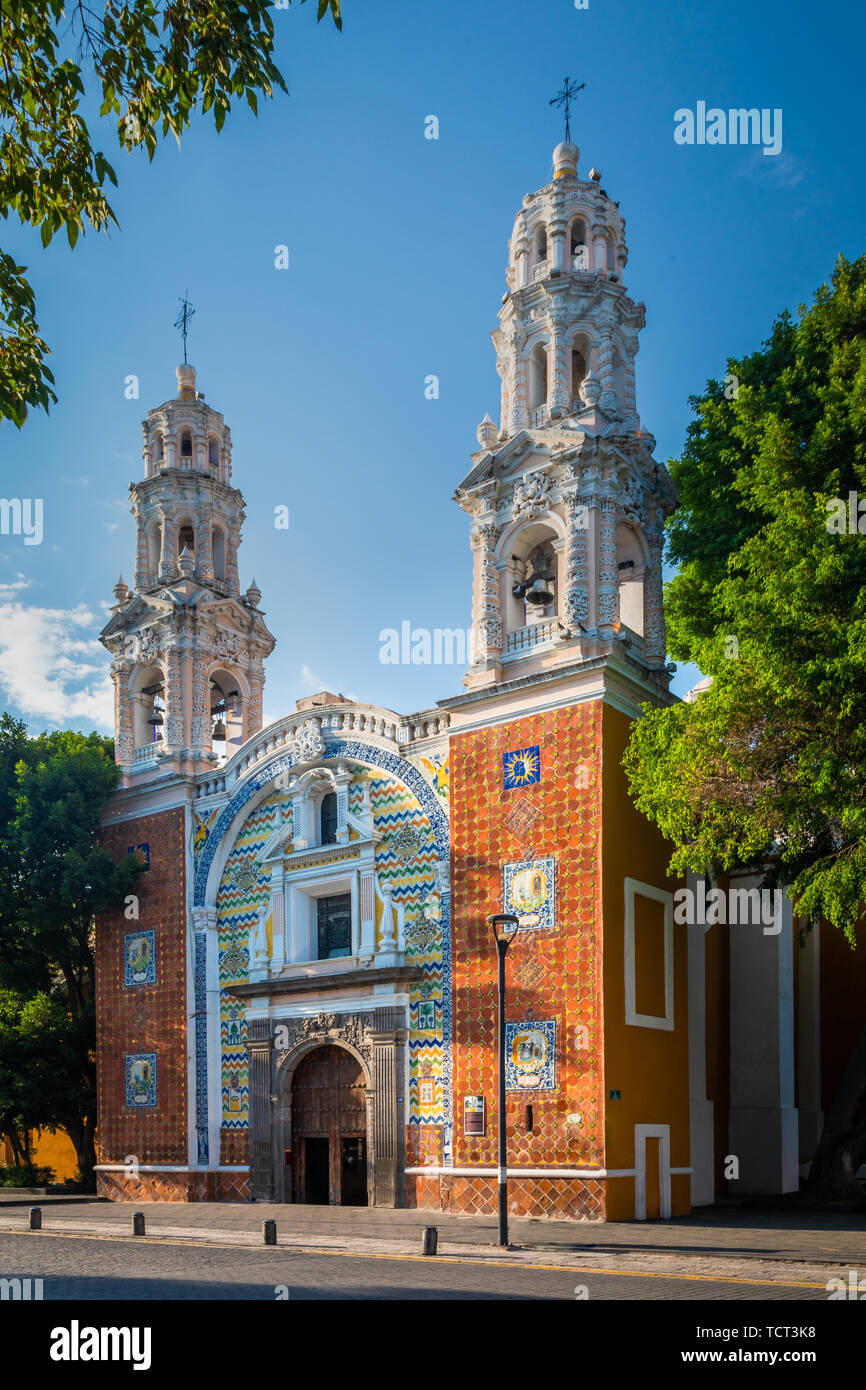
point(187, 647)
point(566, 500)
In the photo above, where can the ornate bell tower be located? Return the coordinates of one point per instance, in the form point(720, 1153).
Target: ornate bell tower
point(187, 647)
point(566, 500)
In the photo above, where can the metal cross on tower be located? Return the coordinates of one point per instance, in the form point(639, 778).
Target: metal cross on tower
point(565, 98)
point(184, 318)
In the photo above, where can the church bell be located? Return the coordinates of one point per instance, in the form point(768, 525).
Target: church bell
point(539, 592)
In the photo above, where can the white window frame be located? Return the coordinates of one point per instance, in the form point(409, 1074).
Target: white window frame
point(633, 889)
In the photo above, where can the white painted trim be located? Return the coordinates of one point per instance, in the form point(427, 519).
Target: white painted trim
point(633, 888)
point(600, 1173)
point(663, 1134)
point(169, 1168)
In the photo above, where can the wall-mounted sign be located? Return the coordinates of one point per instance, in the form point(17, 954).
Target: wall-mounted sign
point(474, 1115)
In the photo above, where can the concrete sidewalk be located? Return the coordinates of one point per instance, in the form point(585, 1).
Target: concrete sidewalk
point(744, 1243)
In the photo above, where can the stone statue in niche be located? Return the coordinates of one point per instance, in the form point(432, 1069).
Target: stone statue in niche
point(259, 940)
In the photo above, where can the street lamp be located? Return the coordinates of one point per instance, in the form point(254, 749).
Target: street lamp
point(504, 926)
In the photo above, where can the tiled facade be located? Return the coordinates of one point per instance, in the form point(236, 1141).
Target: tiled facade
point(551, 971)
point(144, 1020)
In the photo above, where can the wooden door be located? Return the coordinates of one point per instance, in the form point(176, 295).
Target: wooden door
point(329, 1104)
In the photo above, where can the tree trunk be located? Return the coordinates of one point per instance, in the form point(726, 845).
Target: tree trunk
point(833, 1174)
point(83, 1136)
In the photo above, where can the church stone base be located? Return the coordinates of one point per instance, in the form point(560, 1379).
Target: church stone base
point(562, 1199)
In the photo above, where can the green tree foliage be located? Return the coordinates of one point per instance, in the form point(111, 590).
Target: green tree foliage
point(153, 64)
point(770, 601)
point(54, 877)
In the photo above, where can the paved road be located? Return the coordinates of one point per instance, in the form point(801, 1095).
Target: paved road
point(74, 1267)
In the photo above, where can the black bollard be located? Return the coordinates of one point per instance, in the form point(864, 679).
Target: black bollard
point(429, 1240)
point(269, 1232)
point(138, 1223)
point(36, 1218)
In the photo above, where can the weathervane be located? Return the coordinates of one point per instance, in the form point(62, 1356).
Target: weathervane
point(565, 98)
point(184, 318)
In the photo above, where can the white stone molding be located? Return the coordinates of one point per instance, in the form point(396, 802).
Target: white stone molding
point(665, 1022)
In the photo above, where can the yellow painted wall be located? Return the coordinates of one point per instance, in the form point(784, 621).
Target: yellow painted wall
point(648, 1066)
point(48, 1150)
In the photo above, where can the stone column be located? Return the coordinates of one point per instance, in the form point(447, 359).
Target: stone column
point(557, 232)
point(607, 400)
point(575, 610)
point(173, 730)
point(143, 577)
point(203, 549)
point(558, 393)
point(762, 1127)
point(519, 408)
point(599, 241)
point(608, 587)
point(388, 1105)
point(279, 954)
point(654, 618)
point(201, 735)
point(124, 732)
point(256, 678)
point(259, 1048)
point(232, 582)
point(487, 615)
point(168, 548)
point(629, 404)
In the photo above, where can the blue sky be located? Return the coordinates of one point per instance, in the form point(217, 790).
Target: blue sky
point(397, 248)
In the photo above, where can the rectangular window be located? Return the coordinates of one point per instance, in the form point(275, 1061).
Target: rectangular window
point(335, 926)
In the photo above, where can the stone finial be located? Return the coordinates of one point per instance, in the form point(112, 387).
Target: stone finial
point(590, 390)
point(185, 382)
point(253, 595)
point(565, 158)
point(186, 562)
point(121, 592)
point(595, 175)
point(486, 433)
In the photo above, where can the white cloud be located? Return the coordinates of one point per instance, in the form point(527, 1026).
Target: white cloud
point(13, 586)
point(51, 666)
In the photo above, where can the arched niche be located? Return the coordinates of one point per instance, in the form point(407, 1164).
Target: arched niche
point(147, 693)
point(528, 551)
point(631, 564)
point(539, 248)
point(154, 549)
point(578, 249)
point(580, 359)
point(157, 450)
point(537, 376)
point(229, 695)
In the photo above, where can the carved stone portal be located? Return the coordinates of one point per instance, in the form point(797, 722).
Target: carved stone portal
point(378, 1039)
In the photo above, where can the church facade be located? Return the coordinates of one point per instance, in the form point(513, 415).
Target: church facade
point(301, 1005)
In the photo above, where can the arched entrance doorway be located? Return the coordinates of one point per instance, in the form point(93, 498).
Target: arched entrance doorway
point(329, 1129)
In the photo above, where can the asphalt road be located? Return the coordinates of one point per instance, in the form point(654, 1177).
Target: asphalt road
point(79, 1268)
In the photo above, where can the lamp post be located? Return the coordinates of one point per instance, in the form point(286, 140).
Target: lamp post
point(504, 926)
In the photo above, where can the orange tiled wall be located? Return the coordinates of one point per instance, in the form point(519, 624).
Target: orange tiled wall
point(144, 1018)
point(550, 974)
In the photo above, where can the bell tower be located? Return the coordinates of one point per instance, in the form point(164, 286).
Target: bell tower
point(187, 647)
point(566, 501)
